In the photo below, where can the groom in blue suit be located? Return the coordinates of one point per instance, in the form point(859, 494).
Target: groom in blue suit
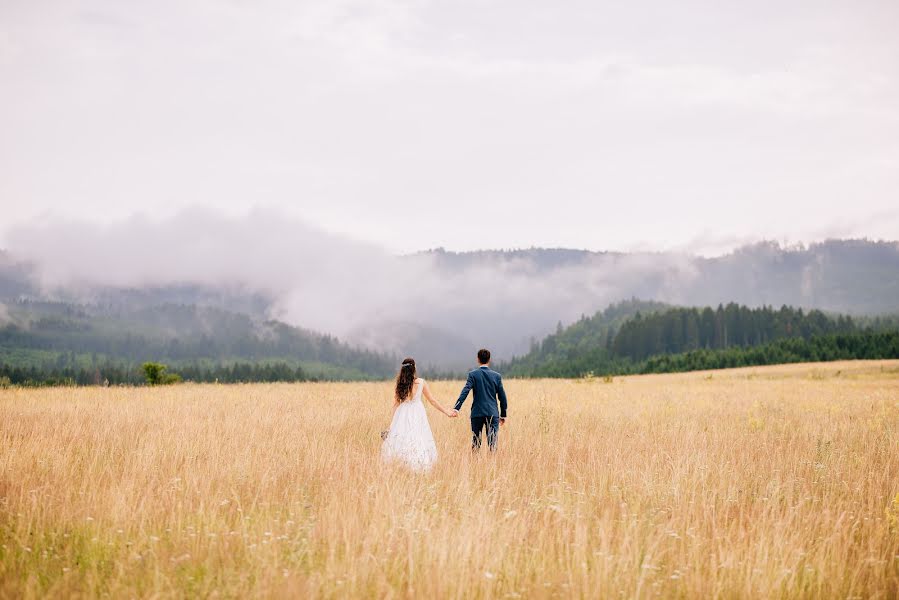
point(488, 387)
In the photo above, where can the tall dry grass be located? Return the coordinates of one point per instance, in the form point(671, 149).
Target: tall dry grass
point(776, 482)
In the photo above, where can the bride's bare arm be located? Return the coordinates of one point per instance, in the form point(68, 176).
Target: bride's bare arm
point(427, 392)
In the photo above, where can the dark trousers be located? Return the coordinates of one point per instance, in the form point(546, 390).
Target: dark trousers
point(491, 424)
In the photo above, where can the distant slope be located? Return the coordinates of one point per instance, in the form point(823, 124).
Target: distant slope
point(849, 276)
point(58, 335)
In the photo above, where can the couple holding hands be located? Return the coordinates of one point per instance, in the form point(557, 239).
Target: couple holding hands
point(409, 438)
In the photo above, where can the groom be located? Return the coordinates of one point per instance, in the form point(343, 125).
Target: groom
point(488, 386)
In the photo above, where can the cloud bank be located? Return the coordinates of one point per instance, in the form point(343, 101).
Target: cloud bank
point(334, 284)
point(437, 306)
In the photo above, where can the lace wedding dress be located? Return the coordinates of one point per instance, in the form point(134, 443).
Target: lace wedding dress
point(410, 439)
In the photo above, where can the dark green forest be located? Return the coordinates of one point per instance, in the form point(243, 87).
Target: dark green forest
point(582, 346)
point(641, 337)
point(685, 329)
point(868, 345)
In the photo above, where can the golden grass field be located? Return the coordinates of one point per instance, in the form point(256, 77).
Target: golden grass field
point(763, 482)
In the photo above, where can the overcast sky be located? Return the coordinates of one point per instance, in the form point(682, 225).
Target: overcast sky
point(488, 124)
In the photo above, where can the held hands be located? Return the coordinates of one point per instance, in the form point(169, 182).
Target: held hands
point(452, 413)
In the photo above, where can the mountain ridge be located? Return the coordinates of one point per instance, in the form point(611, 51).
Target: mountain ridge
point(503, 299)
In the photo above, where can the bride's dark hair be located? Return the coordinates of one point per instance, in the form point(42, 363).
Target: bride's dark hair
point(404, 379)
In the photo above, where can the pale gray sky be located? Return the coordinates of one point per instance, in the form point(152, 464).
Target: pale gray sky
point(655, 125)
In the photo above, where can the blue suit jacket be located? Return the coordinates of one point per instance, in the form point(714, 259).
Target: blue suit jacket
point(487, 386)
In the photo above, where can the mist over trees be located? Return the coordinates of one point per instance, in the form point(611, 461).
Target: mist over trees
point(62, 344)
point(78, 341)
point(438, 305)
point(341, 309)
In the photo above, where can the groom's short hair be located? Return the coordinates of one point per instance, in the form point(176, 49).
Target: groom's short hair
point(483, 356)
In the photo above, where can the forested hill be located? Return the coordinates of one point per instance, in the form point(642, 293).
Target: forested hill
point(582, 346)
point(625, 335)
point(56, 337)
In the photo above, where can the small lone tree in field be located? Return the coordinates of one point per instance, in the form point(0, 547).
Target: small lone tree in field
point(156, 375)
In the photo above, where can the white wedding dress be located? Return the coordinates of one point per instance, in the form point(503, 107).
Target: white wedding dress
point(410, 439)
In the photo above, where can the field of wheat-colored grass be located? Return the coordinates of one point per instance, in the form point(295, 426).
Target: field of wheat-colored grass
point(763, 482)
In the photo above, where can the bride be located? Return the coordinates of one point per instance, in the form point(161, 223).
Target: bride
point(409, 438)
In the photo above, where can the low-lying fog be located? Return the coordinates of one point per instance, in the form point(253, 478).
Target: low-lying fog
point(436, 305)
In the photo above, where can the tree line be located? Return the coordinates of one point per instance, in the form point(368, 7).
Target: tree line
point(118, 374)
point(869, 345)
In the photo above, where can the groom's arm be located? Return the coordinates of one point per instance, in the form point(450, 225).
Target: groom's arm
point(465, 390)
point(503, 403)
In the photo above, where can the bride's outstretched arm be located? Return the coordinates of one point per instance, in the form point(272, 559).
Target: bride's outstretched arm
point(427, 392)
